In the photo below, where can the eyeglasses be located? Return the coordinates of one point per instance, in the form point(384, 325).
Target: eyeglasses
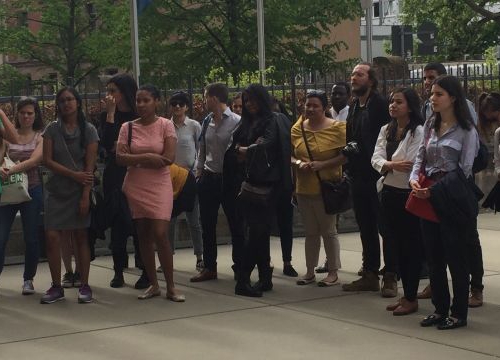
point(177, 103)
point(65, 100)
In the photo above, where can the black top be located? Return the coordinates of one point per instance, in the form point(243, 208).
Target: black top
point(363, 126)
point(391, 147)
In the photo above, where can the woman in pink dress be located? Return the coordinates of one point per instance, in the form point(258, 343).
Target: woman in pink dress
point(148, 186)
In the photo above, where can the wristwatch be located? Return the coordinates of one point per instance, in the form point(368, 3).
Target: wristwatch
point(298, 162)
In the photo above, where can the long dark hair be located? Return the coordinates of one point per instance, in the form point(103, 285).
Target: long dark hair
point(24, 101)
point(488, 102)
point(82, 122)
point(261, 97)
point(413, 101)
point(460, 109)
point(128, 87)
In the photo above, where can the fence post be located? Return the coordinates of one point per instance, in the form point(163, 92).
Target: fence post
point(466, 85)
point(294, 95)
point(42, 92)
point(384, 81)
point(190, 92)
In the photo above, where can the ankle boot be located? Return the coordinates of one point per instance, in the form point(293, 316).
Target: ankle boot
point(244, 288)
point(389, 285)
point(117, 281)
point(265, 282)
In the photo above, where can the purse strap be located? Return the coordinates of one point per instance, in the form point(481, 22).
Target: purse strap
point(129, 139)
point(427, 138)
point(307, 147)
point(67, 150)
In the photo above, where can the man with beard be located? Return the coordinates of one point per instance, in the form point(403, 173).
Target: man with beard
point(368, 113)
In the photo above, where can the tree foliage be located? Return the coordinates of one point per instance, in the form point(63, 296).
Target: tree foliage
point(74, 37)
point(180, 37)
point(464, 26)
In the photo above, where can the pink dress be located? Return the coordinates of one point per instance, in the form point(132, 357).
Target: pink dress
point(148, 191)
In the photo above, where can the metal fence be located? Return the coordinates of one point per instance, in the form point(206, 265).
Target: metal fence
point(289, 89)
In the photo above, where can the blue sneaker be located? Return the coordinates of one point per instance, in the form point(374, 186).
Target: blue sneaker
point(55, 293)
point(85, 294)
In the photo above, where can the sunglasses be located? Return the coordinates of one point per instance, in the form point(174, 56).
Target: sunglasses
point(177, 103)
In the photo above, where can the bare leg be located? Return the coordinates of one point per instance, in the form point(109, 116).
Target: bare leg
point(81, 246)
point(53, 252)
point(159, 229)
point(67, 250)
point(146, 242)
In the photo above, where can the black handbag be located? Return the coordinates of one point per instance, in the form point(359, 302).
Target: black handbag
point(336, 195)
point(252, 194)
point(482, 158)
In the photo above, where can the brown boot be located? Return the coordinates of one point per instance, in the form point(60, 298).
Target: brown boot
point(389, 285)
point(426, 293)
point(406, 307)
point(475, 298)
point(394, 306)
point(368, 282)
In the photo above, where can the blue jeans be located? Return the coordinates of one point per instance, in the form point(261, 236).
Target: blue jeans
point(30, 217)
point(193, 221)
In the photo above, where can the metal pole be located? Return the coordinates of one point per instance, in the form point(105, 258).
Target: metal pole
point(134, 38)
point(403, 42)
point(369, 32)
point(261, 43)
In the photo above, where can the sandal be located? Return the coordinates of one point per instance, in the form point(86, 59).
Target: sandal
point(305, 281)
point(176, 297)
point(149, 293)
point(325, 282)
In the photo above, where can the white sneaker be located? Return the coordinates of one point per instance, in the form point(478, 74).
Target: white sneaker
point(28, 288)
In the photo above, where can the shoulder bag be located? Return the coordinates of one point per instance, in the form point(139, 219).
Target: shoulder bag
point(336, 195)
point(422, 208)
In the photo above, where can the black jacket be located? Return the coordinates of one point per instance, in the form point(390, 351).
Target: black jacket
point(455, 198)
point(363, 126)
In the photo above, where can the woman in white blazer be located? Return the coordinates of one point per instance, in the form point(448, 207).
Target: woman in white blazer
point(395, 152)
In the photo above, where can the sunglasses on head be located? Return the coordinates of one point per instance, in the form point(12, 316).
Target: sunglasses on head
point(177, 103)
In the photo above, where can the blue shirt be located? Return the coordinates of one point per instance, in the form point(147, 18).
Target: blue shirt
point(456, 147)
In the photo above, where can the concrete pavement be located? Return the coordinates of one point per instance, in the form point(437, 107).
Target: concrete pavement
point(290, 322)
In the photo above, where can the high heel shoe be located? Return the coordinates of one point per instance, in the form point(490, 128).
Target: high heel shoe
point(149, 293)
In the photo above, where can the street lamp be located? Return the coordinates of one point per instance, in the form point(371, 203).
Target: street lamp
point(367, 6)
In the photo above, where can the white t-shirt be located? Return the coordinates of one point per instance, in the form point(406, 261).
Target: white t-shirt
point(342, 115)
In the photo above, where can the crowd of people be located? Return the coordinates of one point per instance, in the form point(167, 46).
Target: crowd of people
point(251, 158)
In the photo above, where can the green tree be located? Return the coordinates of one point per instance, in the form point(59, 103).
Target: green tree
point(180, 37)
point(464, 26)
point(74, 37)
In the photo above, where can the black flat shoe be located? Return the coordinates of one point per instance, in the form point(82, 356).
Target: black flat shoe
point(431, 320)
point(450, 323)
point(263, 286)
point(245, 289)
point(288, 270)
point(143, 282)
point(117, 281)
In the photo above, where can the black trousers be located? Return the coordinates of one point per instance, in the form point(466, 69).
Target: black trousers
point(284, 219)
point(402, 240)
point(366, 209)
point(259, 219)
point(113, 177)
point(211, 197)
point(475, 258)
point(446, 245)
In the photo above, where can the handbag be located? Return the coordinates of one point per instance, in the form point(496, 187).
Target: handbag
point(482, 159)
point(15, 187)
point(337, 197)
point(422, 208)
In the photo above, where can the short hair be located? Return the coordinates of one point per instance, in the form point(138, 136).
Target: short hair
point(24, 101)
point(219, 90)
point(153, 90)
point(180, 96)
point(438, 67)
point(344, 84)
point(372, 74)
point(320, 95)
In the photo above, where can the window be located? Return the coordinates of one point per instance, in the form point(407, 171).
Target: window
point(376, 10)
point(22, 19)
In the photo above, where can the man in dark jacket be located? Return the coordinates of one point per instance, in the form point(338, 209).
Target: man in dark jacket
point(369, 112)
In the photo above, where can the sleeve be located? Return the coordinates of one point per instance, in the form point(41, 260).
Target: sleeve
point(496, 155)
point(123, 134)
point(270, 137)
point(108, 132)
point(380, 114)
point(379, 157)
point(49, 130)
point(470, 148)
point(415, 141)
point(417, 165)
point(91, 135)
point(197, 133)
point(169, 129)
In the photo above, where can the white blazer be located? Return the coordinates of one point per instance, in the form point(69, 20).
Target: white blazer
point(406, 151)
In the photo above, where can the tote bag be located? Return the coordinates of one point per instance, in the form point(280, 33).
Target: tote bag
point(15, 187)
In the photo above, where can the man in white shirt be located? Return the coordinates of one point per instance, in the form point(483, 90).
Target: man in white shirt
point(341, 93)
